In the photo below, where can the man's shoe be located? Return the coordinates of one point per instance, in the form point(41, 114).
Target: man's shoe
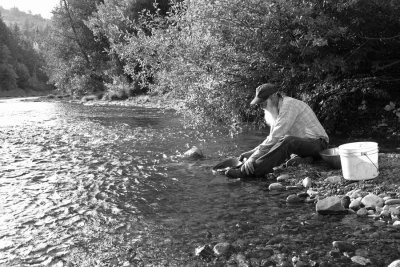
point(236, 173)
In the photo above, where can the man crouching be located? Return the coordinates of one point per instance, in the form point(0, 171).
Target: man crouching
point(295, 129)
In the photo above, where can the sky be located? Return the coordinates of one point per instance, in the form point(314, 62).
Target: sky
point(42, 7)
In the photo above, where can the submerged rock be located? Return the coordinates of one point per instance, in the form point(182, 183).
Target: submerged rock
point(294, 199)
point(275, 186)
point(330, 205)
point(360, 260)
point(222, 249)
point(343, 246)
point(193, 153)
point(204, 252)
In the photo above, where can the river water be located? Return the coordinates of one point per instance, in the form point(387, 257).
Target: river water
point(107, 186)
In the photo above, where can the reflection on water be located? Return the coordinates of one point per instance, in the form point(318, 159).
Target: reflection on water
point(66, 169)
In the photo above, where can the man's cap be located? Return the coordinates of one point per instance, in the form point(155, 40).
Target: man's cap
point(263, 92)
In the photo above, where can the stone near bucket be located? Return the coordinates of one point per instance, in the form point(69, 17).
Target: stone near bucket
point(193, 153)
point(372, 201)
point(359, 160)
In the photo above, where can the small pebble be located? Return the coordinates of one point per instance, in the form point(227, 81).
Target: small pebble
point(307, 182)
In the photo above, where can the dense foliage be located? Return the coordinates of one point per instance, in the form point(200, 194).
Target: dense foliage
point(20, 58)
point(211, 54)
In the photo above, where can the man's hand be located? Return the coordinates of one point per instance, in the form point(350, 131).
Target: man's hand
point(248, 166)
point(244, 156)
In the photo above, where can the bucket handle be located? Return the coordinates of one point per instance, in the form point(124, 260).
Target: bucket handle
point(365, 154)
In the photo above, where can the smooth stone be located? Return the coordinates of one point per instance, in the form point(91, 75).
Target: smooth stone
point(396, 223)
point(333, 179)
point(343, 246)
point(282, 178)
point(222, 248)
point(372, 201)
point(294, 199)
point(395, 263)
point(392, 202)
point(362, 212)
point(355, 204)
point(307, 182)
point(360, 260)
point(193, 153)
point(275, 186)
point(330, 205)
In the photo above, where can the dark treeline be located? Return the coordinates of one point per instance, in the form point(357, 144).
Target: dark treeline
point(342, 57)
point(21, 62)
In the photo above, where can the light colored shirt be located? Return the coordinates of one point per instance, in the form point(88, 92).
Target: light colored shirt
point(295, 118)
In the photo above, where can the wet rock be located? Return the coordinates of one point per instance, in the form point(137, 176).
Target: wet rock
point(282, 178)
point(346, 202)
point(204, 252)
point(333, 179)
point(222, 249)
point(312, 193)
point(242, 261)
point(307, 182)
point(101, 196)
point(275, 186)
point(360, 260)
point(355, 204)
point(372, 201)
point(330, 205)
point(343, 246)
point(294, 199)
point(193, 153)
point(396, 263)
point(392, 202)
point(362, 212)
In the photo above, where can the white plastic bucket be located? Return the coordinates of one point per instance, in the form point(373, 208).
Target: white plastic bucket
point(359, 160)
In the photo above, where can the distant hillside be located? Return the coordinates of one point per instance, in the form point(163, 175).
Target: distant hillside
point(24, 20)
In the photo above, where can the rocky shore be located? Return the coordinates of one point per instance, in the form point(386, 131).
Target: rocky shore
point(364, 216)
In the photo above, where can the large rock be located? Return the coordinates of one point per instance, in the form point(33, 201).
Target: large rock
point(193, 153)
point(330, 205)
point(372, 201)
